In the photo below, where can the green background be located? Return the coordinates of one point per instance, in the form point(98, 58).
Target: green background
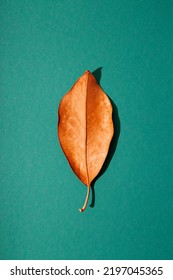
point(45, 47)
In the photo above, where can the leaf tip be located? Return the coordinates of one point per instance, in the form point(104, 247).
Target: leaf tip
point(87, 72)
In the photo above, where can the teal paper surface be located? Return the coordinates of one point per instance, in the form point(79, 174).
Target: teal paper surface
point(45, 47)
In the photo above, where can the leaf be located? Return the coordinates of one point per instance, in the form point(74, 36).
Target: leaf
point(85, 128)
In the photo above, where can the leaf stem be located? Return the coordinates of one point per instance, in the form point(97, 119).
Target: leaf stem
point(86, 200)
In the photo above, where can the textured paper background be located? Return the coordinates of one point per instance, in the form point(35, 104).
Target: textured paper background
point(45, 47)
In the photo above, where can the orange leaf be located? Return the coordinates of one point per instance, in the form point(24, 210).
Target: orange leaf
point(85, 128)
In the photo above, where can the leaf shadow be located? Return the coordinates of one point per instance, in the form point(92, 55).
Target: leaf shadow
point(97, 74)
point(114, 142)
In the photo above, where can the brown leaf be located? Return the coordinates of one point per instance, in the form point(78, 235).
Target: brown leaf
point(85, 128)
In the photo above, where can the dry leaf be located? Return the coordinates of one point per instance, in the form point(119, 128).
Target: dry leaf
point(85, 128)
